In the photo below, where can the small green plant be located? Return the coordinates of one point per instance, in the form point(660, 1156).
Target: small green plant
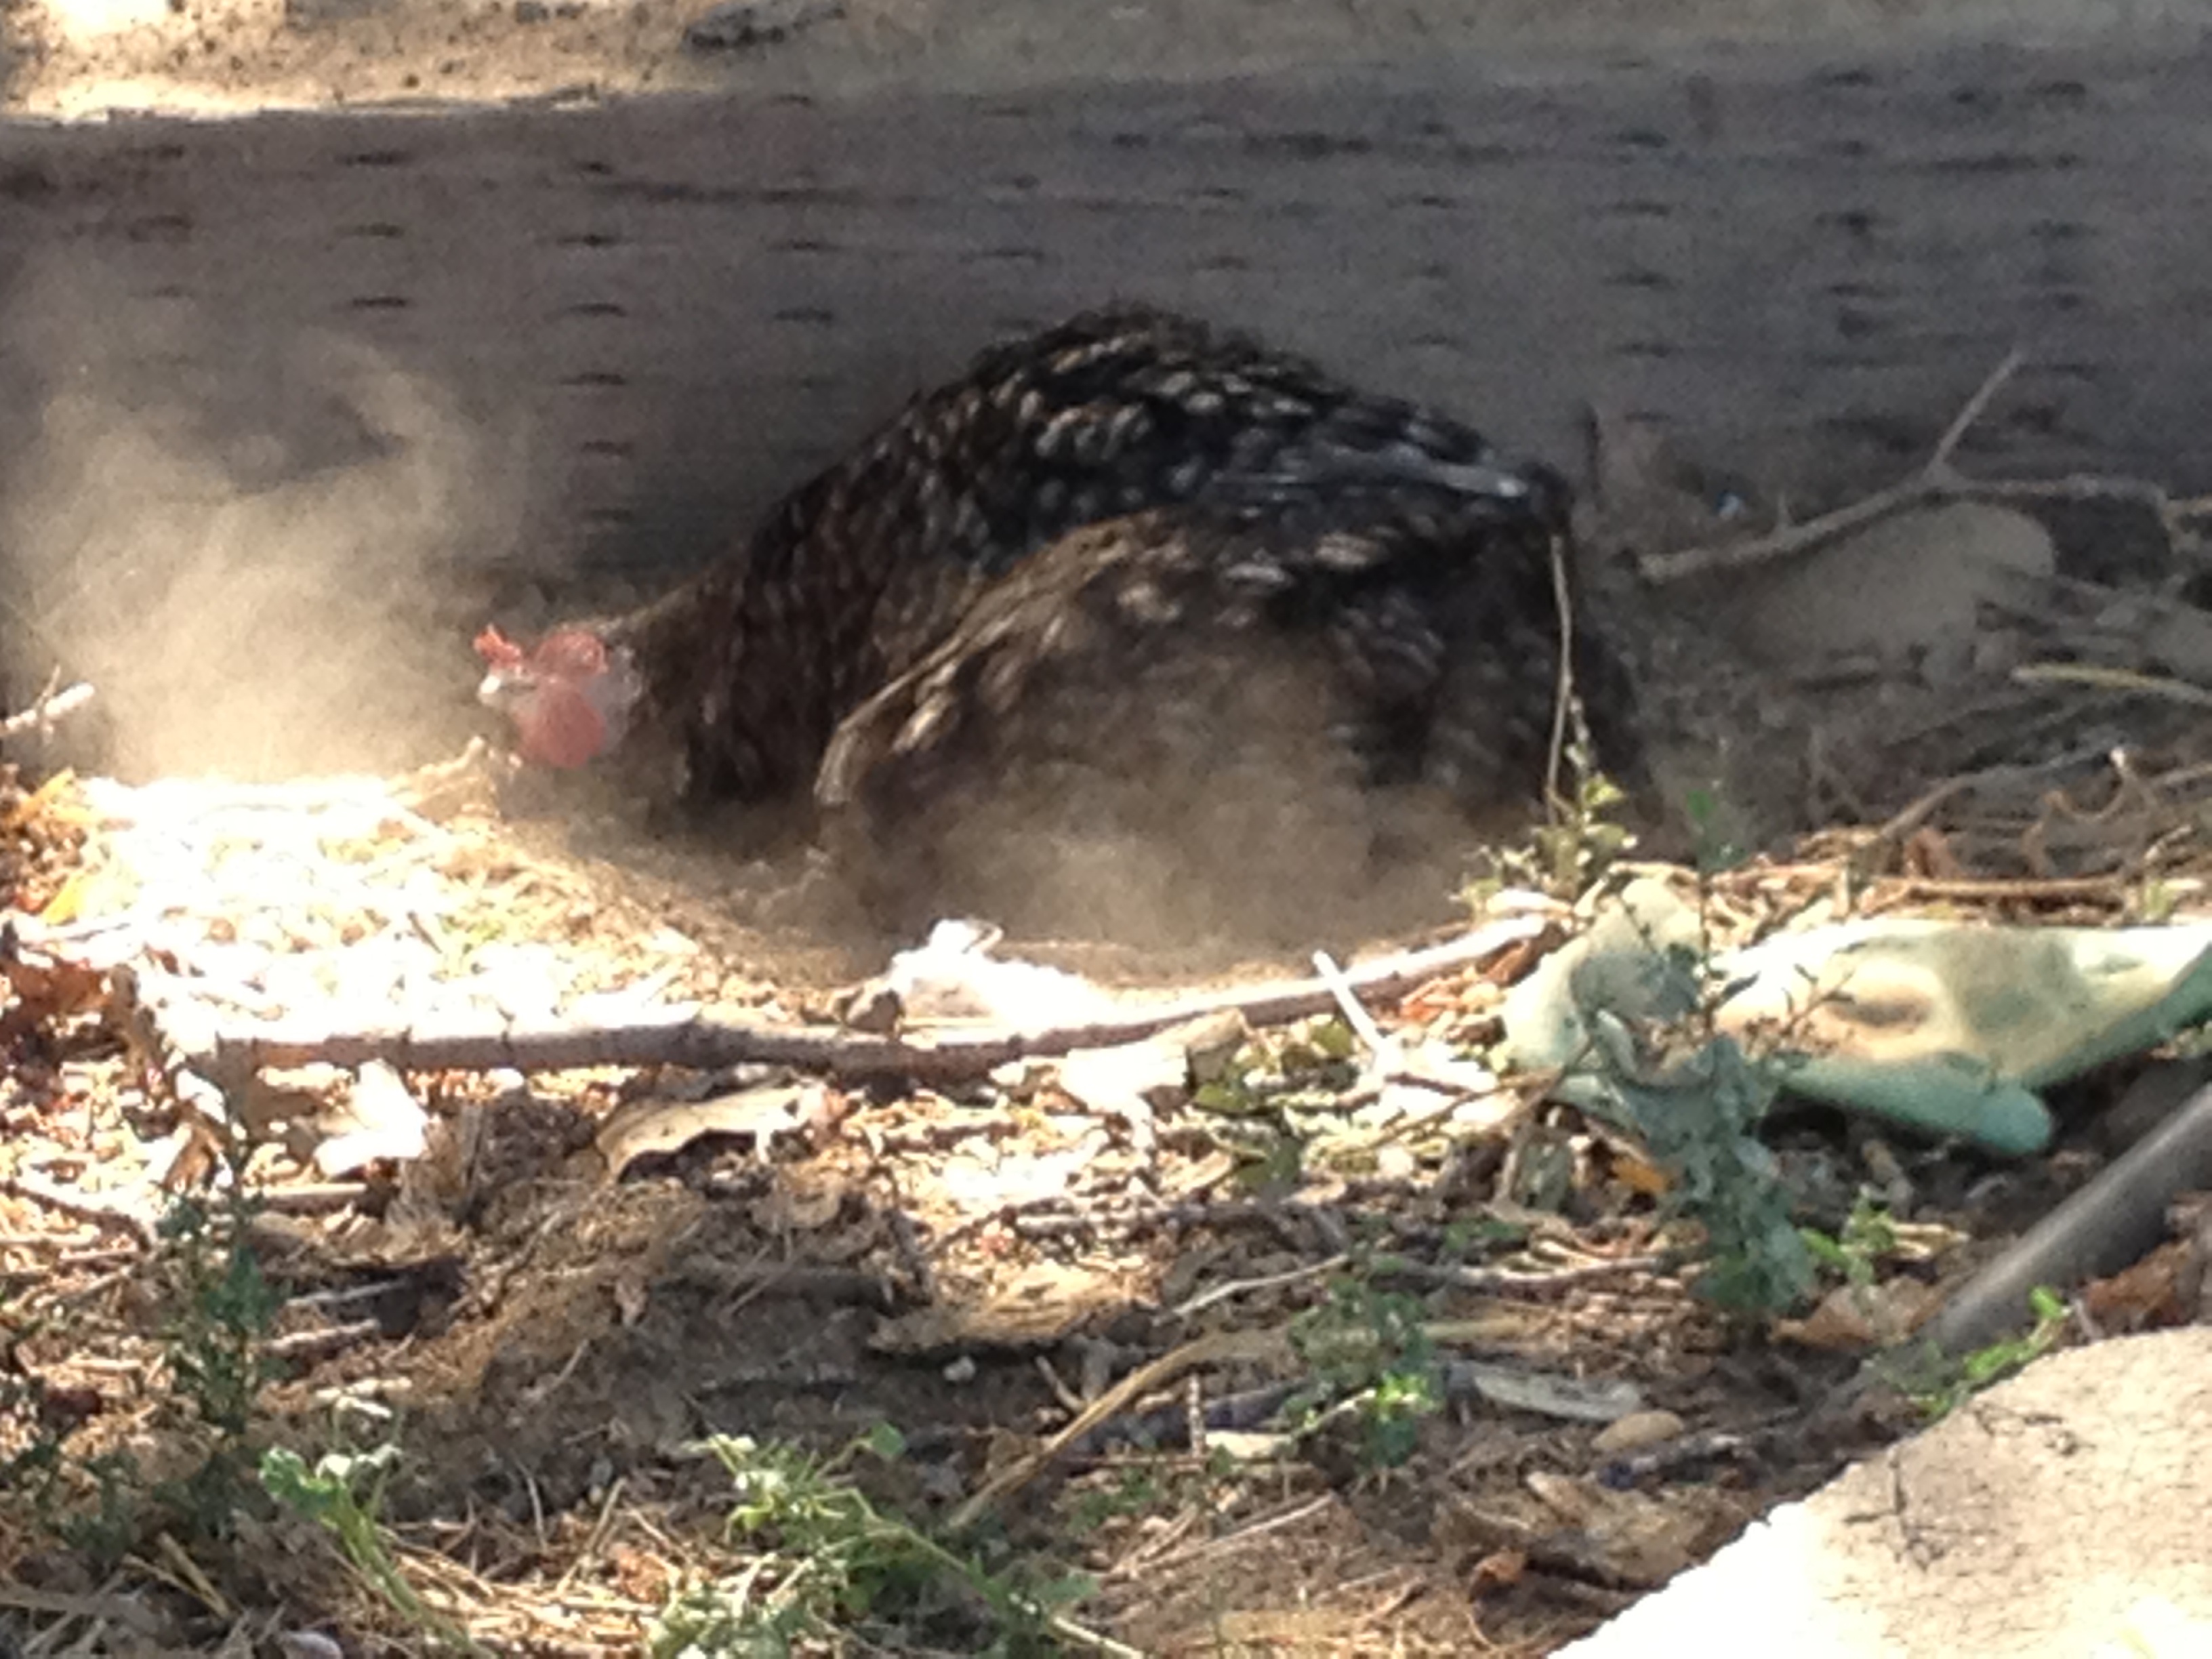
point(2155, 901)
point(1149, 1484)
point(1311, 1064)
point(1715, 840)
point(343, 1494)
point(1370, 1356)
point(829, 1559)
point(1585, 836)
point(219, 1313)
point(218, 1333)
point(1134, 1490)
point(1698, 1097)
point(1581, 840)
point(1277, 1093)
point(1481, 1234)
point(216, 1344)
point(1700, 1118)
point(1869, 1237)
point(1969, 1375)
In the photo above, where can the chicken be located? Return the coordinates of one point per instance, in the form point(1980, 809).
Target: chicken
point(1120, 547)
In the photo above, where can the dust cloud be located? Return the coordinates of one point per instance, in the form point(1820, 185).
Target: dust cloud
point(248, 545)
point(1208, 801)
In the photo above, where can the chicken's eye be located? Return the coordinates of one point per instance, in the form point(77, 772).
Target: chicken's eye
point(570, 654)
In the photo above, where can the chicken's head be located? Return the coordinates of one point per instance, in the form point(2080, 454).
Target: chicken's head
point(570, 697)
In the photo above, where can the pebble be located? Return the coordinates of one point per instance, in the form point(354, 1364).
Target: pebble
point(742, 23)
point(1637, 1431)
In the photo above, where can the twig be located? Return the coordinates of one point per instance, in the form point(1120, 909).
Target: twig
point(1635, 1467)
point(1222, 1293)
point(178, 1569)
point(1246, 1534)
point(1082, 1636)
point(1069, 1400)
point(313, 1345)
point(310, 1197)
point(2080, 487)
point(1936, 481)
point(705, 1041)
point(592, 1545)
point(1975, 408)
point(2099, 677)
point(2104, 1225)
point(1146, 1551)
point(1227, 1347)
point(1563, 698)
point(1506, 1281)
point(48, 707)
point(119, 1210)
point(1921, 810)
point(1355, 1016)
point(2025, 889)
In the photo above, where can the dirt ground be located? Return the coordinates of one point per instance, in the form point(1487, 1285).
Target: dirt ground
point(544, 1312)
point(1085, 1304)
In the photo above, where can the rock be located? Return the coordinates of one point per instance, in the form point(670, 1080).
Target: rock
point(2179, 642)
point(1635, 1432)
point(1915, 580)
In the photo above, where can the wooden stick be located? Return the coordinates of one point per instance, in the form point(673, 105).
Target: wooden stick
point(1562, 689)
point(2099, 677)
point(1936, 481)
point(1222, 1348)
point(707, 1041)
point(1974, 407)
point(49, 706)
point(1801, 537)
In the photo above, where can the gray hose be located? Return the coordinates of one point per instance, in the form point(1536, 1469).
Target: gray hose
point(2106, 1226)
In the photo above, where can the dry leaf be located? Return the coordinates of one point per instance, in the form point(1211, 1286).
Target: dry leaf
point(2146, 1294)
point(651, 1128)
point(380, 1120)
point(1855, 1318)
point(1639, 1539)
point(1498, 1571)
point(47, 990)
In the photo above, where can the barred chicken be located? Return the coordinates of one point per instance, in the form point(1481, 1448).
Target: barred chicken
point(1125, 575)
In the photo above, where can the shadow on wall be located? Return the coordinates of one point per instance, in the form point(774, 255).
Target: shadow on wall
point(251, 562)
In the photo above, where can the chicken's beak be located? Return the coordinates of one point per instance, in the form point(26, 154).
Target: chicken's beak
point(504, 690)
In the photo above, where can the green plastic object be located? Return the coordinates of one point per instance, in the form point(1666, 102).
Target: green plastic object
point(1949, 1028)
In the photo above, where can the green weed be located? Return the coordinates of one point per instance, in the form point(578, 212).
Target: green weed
point(219, 1311)
point(1369, 1358)
point(1869, 1237)
point(827, 1560)
point(1961, 1381)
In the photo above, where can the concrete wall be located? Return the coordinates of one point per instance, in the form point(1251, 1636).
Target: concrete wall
point(628, 326)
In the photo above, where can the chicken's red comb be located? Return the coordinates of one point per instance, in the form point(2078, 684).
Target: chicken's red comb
point(495, 648)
